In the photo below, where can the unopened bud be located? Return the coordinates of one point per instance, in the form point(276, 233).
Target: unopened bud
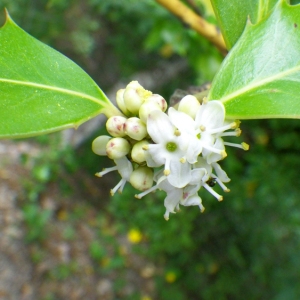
point(135, 128)
point(189, 105)
point(99, 144)
point(146, 109)
point(142, 178)
point(117, 148)
point(120, 101)
point(162, 103)
point(138, 153)
point(115, 126)
point(134, 96)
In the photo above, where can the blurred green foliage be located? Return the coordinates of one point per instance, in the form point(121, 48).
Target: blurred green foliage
point(246, 247)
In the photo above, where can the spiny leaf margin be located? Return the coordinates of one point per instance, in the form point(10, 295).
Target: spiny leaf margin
point(260, 77)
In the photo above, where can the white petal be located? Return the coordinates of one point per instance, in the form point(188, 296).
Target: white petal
point(159, 127)
point(158, 154)
point(197, 175)
point(206, 140)
point(220, 173)
point(190, 190)
point(193, 200)
point(124, 167)
point(180, 174)
point(193, 150)
point(172, 199)
point(181, 120)
point(214, 157)
point(202, 163)
point(211, 115)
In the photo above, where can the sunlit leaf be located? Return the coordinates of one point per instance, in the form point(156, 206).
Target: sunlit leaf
point(260, 78)
point(232, 16)
point(40, 89)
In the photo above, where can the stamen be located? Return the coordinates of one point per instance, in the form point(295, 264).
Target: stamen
point(222, 185)
point(215, 194)
point(218, 151)
point(204, 100)
point(119, 185)
point(243, 146)
point(145, 147)
point(202, 128)
point(106, 170)
point(237, 132)
point(141, 195)
point(223, 128)
point(167, 168)
point(182, 160)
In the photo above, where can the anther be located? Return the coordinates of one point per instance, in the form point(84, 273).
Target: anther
point(177, 132)
point(236, 124)
point(167, 172)
point(238, 132)
point(245, 146)
point(223, 153)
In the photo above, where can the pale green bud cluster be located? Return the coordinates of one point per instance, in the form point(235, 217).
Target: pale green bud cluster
point(129, 135)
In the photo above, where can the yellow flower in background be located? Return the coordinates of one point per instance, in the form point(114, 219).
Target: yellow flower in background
point(145, 297)
point(170, 276)
point(134, 236)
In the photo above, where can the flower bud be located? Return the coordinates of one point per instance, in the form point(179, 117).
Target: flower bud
point(162, 103)
point(138, 153)
point(120, 101)
point(135, 128)
point(142, 178)
point(117, 148)
point(146, 109)
point(189, 105)
point(115, 126)
point(99, 144)
point(134, 96)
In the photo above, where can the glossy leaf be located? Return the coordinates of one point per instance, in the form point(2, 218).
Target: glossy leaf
point(260, 78)
point(232, 16)
point(40, 89)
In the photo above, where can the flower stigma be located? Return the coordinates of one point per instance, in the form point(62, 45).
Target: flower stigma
point(171, 147)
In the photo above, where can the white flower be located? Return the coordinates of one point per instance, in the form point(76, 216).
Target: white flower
point(184, 145)
point(210, 179)
point(124, 167)
point(210, 119)
point(186, 196)
point(169, 149)
point(189, 132)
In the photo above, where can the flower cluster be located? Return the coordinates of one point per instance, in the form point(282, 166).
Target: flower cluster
point(177, 150)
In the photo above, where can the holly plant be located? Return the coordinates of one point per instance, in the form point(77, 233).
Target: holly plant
point(175, 150)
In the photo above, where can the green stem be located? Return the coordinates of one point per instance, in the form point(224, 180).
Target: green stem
point(111, 110)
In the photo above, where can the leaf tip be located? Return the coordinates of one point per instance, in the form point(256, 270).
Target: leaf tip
point(7, 17)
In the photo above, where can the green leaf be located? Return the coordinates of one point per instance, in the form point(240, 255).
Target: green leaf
point(260, 78)
point(41, 90)
point(232, 16)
